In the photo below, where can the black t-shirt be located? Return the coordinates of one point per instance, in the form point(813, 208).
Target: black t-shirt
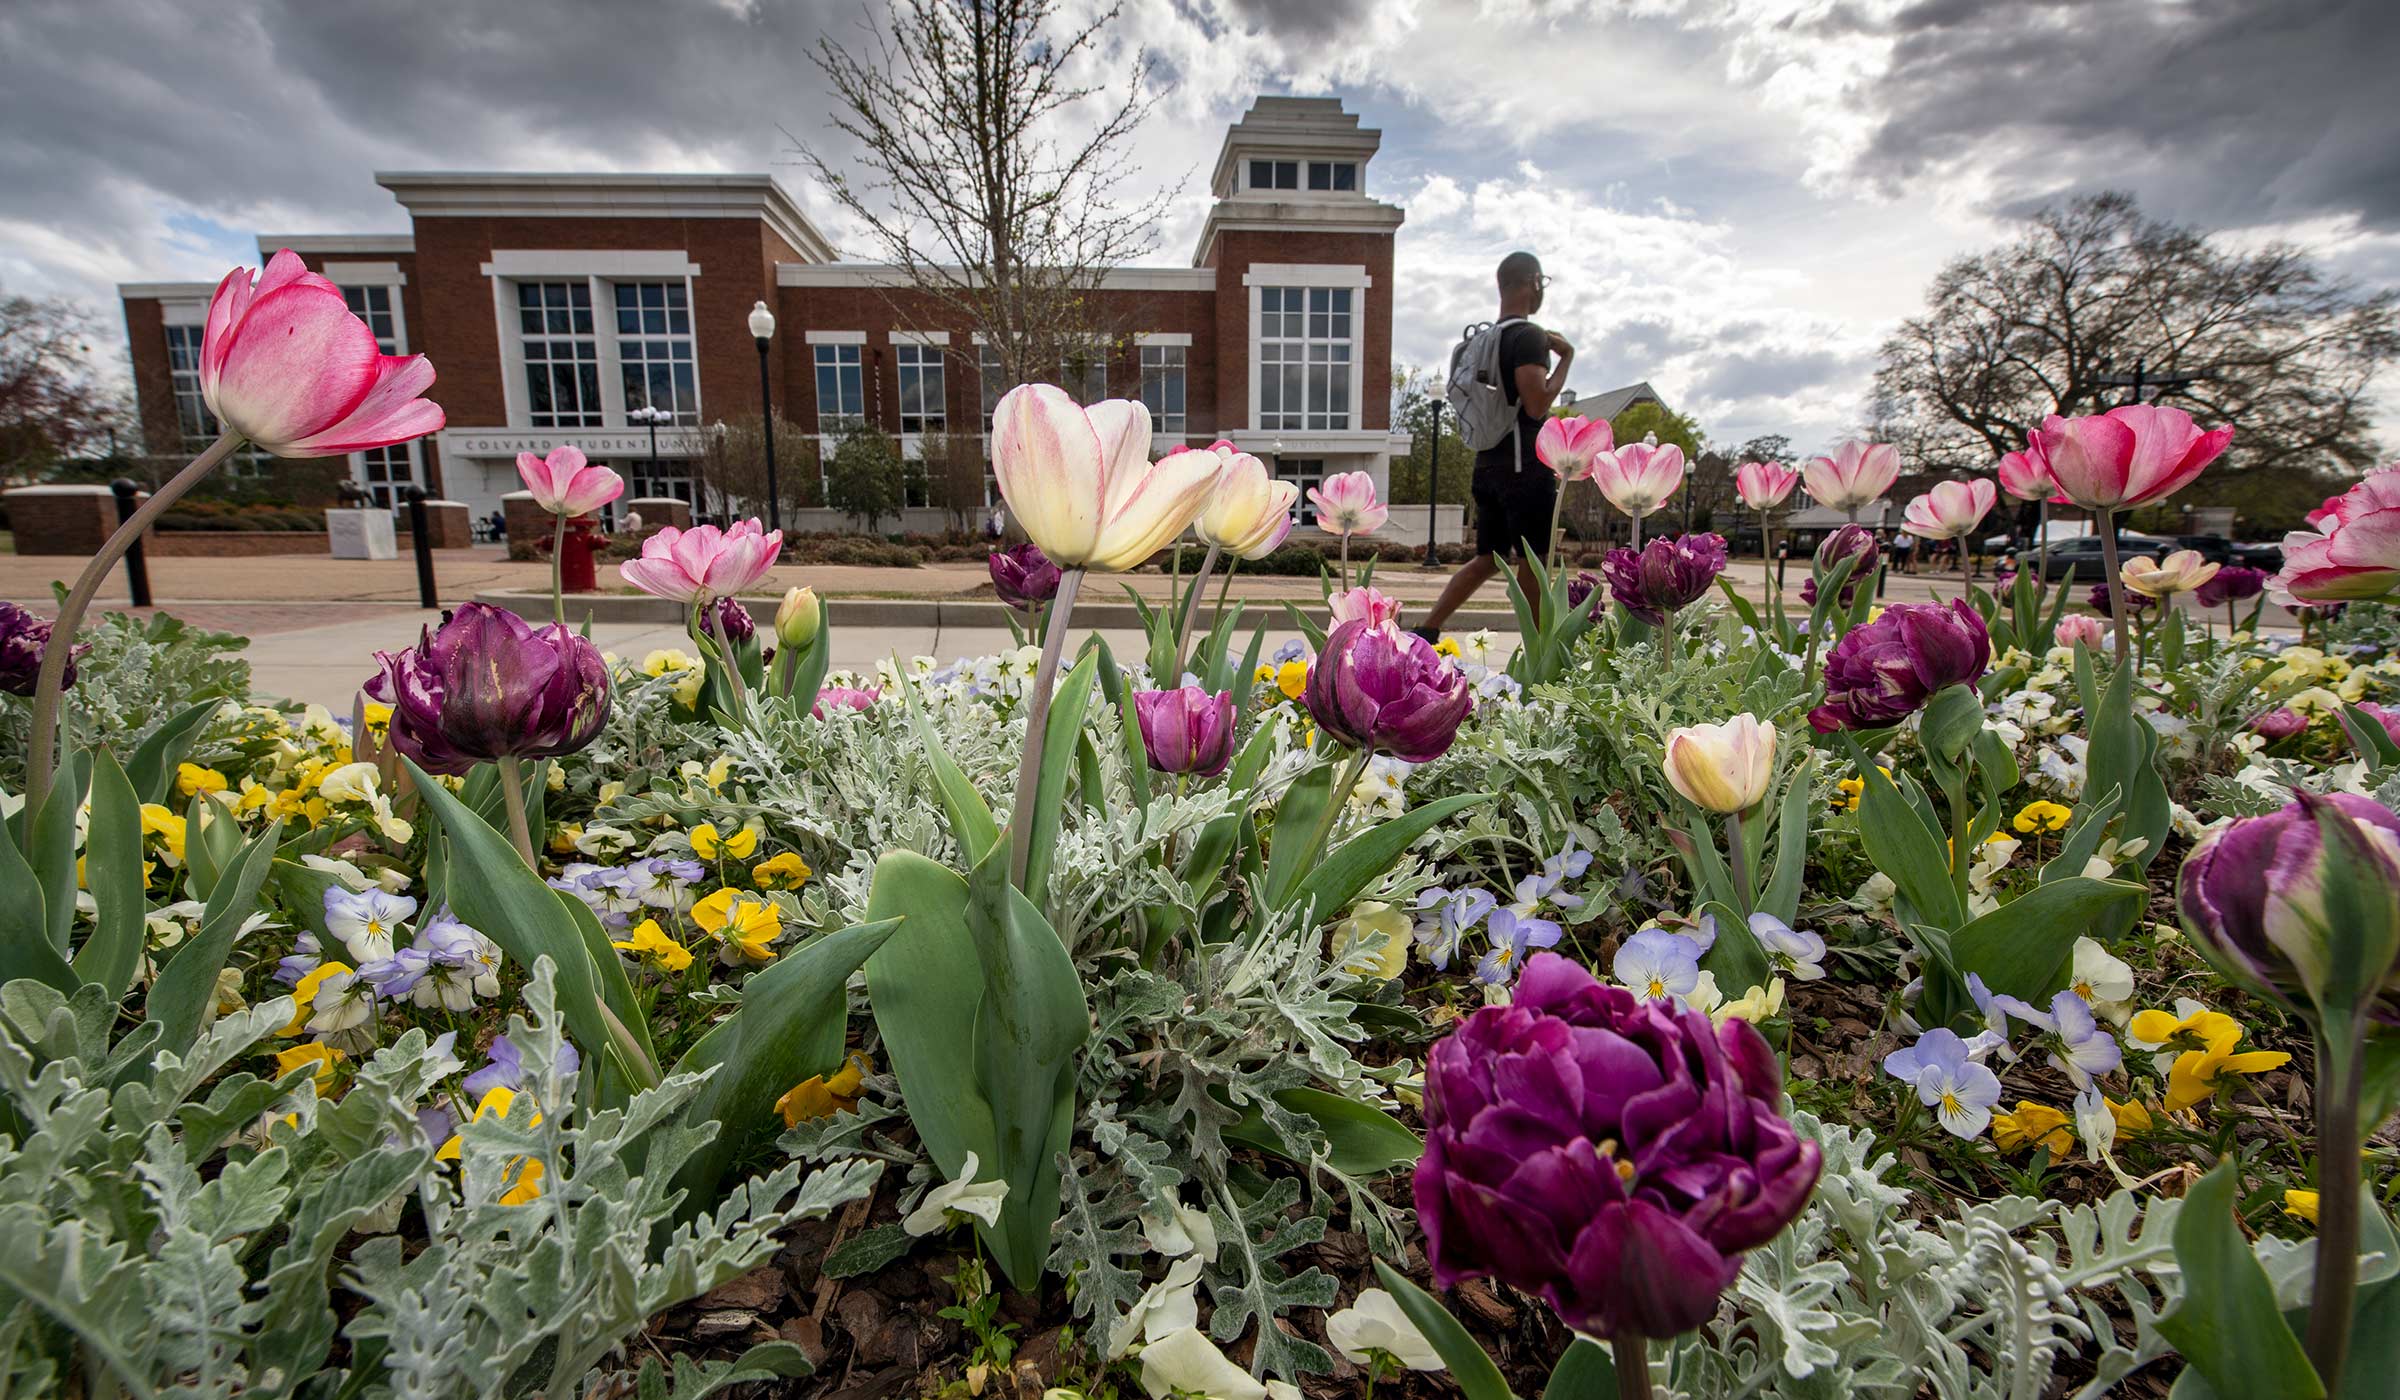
point(1521, 344)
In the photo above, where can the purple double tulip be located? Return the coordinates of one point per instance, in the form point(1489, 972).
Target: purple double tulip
point(1851, 541)
point(23, 639)
point(1664, 576)
point(727, 616)
point(1613, 1156)
point(2253, 896)
point(1186, 730)
point(1882, 672)
point(488, 686)
point(2234, 583)
point(1023, 576)
point(1377, 688)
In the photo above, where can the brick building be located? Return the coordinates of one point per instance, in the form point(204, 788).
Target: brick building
point(568, 308)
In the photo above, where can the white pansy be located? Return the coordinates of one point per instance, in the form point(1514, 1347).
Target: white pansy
point(352, 782)
point(2103, 979)
point(964, 1194)
point(1180, 1230)
point(1188, 1363)
point(1374, 1324)
point(1166, 1307)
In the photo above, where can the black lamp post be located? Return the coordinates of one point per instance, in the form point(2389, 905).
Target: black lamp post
point(762, 330)
point(650, 416)
point(1433, 495)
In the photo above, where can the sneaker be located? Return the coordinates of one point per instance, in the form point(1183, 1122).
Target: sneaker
point(1431, 635)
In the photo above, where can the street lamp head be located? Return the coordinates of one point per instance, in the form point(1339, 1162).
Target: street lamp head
point(762, 322)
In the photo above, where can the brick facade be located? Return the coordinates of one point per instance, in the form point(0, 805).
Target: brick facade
point(733, 241)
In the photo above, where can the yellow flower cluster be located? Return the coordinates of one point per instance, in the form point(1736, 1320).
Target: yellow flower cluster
point(2205, 1045)
point(1291, 678)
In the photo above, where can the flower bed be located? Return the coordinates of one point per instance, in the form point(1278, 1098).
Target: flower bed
point(1691, 999)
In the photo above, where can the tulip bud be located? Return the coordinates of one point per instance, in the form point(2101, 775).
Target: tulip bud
point(23, 639)
point(2082, 630)
point(1722, 767)
point(1879, 674)
point(1850, 541)
point(797, 620)
point(2301, 906)
point(488, 686)
point(1664, 576)
point(1377, 688)
point(1187, 730)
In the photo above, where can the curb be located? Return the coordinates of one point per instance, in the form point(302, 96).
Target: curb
point(640, 609)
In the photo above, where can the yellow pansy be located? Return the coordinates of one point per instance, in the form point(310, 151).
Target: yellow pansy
point(324, 1057)
point(378, 717)
point(2132, 1116)
point(2033, 1123)
point(524, 1173)
point(821, 1094)
point(651, 945)
point(2300, 1205)
point(191, 779)
point(1850, 789)
point(304, 996)
point(169, 828)
point(2207, 1041)
point(1292, 678)
point(1351, 935)
point(1447, 646)
point(1265, 675)
point(254, 796)
point(562, 836)
point(707, 844)
point(781, 872)
point(524, 1182)
point(2042, 816)
point(745, 924)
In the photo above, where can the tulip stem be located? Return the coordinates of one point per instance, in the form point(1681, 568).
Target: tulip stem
point(1037, 722)
point(51, 683)
point(1345, 561)
point(2041, 536)
point(1637, 530)
point(1766, 560)
point(713, 622)
point(2116, 582)
point(1632, 1357)
point(1738, 855)
point(512, 795)
point(1558, 500)
point(2340, 1061)
point(558, 571)
point(1191, 605)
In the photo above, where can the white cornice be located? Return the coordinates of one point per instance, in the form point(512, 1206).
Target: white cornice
point(511, 194)
point(165, 291)
point(1288, 215)
point(895, 277)
point(322, 243)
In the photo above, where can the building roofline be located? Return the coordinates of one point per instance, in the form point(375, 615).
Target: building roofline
point(1282, 214)
point(165, 291)
point(895, 277)
point(607, 194)
point(1275, 126)
point(268, 243)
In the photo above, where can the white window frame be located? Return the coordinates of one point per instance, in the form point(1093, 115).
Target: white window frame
point(912, 355)
point(1174, 354)
point(385, 278)
point(690, 418)
point(1332, 169)
point(858, 348)
point(1274, 164)
point(1352, 277)
point(600, 271)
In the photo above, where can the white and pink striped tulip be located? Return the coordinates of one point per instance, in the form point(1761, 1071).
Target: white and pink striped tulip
point(1568, 445)
point(565, 483)
point(1856, 475)
point(1368, 605)
point(1081, 484)
point(285, 363)
point(2025, 475)
point(1638, 477)
point(2127, 456)
point(1950, 509)
point(1346, 505)
point(702, 564)
point(1764, 485)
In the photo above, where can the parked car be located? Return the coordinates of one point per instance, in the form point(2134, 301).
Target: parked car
point(2260, 554)
point(2083, 558)
point(2216, 549)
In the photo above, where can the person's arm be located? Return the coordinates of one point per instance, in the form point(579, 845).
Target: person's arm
point(1536, 391)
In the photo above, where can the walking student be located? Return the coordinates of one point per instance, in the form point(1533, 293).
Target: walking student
point(1515, 495)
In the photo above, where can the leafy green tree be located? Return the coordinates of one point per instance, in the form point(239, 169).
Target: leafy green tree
point(1677, 428)
point(864, 481)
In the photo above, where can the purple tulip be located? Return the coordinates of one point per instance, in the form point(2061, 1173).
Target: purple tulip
point(2389, 719)
point(728, 617)
point(488, 686)
point(1581, 587)
point(2234, 583)
point(2098, 600)
point(2253, 895)
point(1186, 730)
point(2279, 724)
point(1024, 576)
point(1612, 1156)
point(1665, 576)
point(23, 639)
point(1850, 541)
point(1389, 691)
point(1881, 673)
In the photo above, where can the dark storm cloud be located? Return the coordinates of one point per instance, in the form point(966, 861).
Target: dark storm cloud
point(1770, 374)
point(2225, 112)
point(1301, 19)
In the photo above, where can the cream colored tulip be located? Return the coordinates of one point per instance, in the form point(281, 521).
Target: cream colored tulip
point(1081, 484)
point(1722, 767)
point(2180, 572)
point(1250, 512)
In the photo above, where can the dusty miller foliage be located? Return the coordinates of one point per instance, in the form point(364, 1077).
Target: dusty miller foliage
point(1858, 1298)
point(138, 675)
point(174, 1222)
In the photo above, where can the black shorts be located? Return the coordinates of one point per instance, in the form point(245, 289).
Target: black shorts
point(1513, 508)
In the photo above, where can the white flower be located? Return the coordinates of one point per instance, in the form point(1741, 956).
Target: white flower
point(343, 1001)
point(1181, 1230)
point(341, 870)
point(603, 842)
point(352, 782)
point(1375, 1323)
point(1166, 1307)
point(366, 921)
point(2102, 979)
point(964, 1195)
point(1188, 1363)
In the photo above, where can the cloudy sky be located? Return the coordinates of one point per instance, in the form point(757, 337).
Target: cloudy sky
point(1738, 198)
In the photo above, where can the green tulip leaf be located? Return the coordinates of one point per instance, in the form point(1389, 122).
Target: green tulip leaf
point(1298, 817)
point(1065, 727)
point(113, 872)
point(1361, 1139)
point(2225, 1324)
point(185, 991)
point(1356, 863)
point(1585, 1372)
point(2022, 948)
point(158, 758)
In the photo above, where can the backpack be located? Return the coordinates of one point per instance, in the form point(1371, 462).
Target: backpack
point(1475, 391)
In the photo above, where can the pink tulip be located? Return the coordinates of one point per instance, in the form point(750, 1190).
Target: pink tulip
point(1950, 509)
point(1346, 505)
point(2354, 551)
point(2025, 475)
point(2083, 629)
point(701, 564)
point(2127, 456)
point(286, 364)
point(1080, 481)
point(2331, 508)
point(1856, 475)
point(1764, 485)
point(1368, 605)
point(1567, 445)
point(1638, 477)
point(563, 483)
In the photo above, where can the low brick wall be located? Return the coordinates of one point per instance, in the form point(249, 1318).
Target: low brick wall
point(61, 519)
point(233, 544)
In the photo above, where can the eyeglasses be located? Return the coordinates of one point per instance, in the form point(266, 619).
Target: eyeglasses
point(1541, 281)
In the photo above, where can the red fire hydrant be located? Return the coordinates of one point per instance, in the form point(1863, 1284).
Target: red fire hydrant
point(575, 571)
